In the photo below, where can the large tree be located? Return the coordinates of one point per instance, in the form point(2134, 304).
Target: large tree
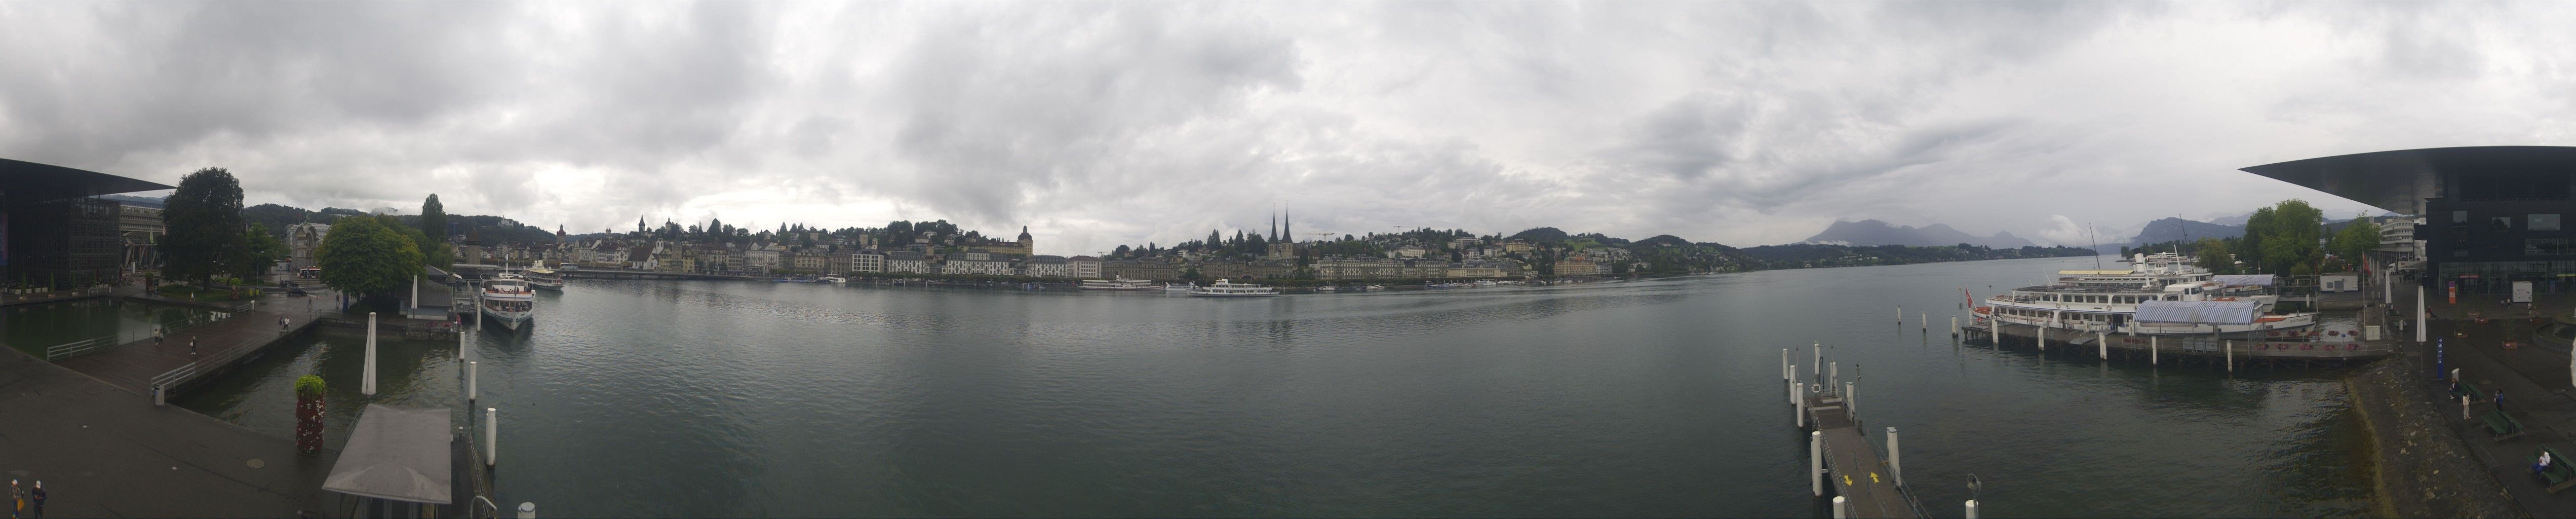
point(368, 256)
point(204, 225)
point(2284, 238)
point(433, 219)
point(2356, 240)
point(262, 250)
point(2212, 255)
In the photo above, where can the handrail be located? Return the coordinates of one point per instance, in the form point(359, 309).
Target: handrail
point(496, 508)
point(74, 348)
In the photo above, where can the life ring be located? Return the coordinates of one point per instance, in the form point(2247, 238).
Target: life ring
point(2350, 347)
point(2308, 346)
point(2262, 346)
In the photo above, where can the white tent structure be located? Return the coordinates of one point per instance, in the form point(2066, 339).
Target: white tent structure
point(399, 461)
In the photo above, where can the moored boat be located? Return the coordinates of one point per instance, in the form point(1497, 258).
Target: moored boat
point(545, 278)
point(1121, 284)
point(508, 299)
point(1223, 288)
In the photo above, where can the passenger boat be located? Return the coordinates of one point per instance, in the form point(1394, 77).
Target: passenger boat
point(2162, 294)
point(508, 299)
point(1122, 283)
point(545, 278)
point(1223, 288)
point(1327, 288)
point(836, 280)
point(1180, 287)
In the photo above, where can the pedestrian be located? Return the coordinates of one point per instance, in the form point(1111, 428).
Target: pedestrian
point(38, 497)
point(281, 324)
point(192, 346)
point(2499, 400)
point(156, 337)
point(17, 499)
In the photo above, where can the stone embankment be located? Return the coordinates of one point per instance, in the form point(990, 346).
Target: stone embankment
point(2421, 467)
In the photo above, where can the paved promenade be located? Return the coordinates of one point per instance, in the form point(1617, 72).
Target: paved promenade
point(131, 366)
point(104, 453)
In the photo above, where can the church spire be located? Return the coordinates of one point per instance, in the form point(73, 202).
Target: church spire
point(1274, 222)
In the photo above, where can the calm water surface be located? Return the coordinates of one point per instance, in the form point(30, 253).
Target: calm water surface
point(1648, 398)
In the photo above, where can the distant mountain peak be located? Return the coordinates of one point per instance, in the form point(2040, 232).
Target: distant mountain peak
point(1875, 232)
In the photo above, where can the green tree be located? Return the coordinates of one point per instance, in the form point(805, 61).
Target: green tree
point(204, 226)
point(262, 251)
point(433, 219)
point(2212, 254)
point(2356, 239)
point(2286, 235)
point(368, 256)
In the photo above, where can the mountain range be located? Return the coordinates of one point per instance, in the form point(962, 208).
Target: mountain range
point(1874, 232)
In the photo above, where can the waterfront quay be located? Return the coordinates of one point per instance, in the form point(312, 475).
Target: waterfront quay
point(145, 366)
point(104, 452)
point(2494, 348)
point(1863, 482)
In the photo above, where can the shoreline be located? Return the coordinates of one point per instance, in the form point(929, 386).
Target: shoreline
point(2411, 447)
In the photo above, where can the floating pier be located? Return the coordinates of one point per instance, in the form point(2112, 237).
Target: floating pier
point(1862, 483)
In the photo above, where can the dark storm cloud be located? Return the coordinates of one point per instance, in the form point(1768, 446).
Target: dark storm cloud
point(1105, 123)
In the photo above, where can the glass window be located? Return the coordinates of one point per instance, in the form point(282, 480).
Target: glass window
point(2544, 246)
point(2459, 217)
point(2544, 222)
point(2500, 223)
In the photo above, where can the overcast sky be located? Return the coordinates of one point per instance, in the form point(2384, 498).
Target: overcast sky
point(1103, 123)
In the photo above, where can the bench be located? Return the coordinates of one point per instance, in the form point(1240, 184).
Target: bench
point(2470, 390)
point(2559, 476)
point(2506, 428)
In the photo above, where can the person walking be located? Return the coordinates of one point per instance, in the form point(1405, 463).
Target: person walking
point(192, 346)
point(2499, 400)
point(17, 499)
point(281, 324)
point(156, 337)
point(37, 498)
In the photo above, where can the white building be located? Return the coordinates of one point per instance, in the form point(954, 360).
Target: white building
point(867, 262)
point(907, 261)
point(1048, 266)
point(988, 266)
point(1084, 267)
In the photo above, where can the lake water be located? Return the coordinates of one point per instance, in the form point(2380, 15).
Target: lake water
point(1646, 398)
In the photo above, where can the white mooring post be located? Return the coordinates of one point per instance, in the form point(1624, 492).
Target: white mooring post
point(1784, 364)
point(2464, 407)
point(2151, 350)
point(1833, 374)
point(1972, 509)
point(1820, 358)
point(491, 436)
point(2103, 342)
point(528, 510)
point(1851, 405)
point(1900, 315)
point(1800, 403)
point(1895, 463)
point(2231, 356)
point(1954, 326)
point(368, 384)
point(1792, 384)
point(1839, 512)
point(1816, 463)
point(469, 381)
point(1924, 319)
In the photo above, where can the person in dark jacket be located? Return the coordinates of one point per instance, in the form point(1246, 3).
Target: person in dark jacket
point(37, 499)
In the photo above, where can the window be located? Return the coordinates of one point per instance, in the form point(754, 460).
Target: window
point(2459, 217)
point(2544, 222)
point(2544, 246)
point(2500, 223)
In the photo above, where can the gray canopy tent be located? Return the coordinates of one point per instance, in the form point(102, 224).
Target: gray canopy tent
point(2242, 311)
point(398, 463)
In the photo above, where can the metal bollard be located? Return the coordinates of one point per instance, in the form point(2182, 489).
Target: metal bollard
point(1816, 463)
point(528, 510)
point(1839, 512)
point(491, 436)
point(1972, 509)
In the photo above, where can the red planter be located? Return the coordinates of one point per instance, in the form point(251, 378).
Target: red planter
point(308, 424)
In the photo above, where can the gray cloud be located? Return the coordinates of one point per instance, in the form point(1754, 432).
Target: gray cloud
point(1105, 123)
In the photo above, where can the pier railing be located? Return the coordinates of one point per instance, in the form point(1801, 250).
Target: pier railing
point(74, 348)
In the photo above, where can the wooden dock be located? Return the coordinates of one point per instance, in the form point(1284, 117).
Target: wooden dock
point(1853, 469)
point(135, 366)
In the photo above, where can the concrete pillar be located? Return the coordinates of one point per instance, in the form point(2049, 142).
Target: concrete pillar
point(1834, 374)
point(1784, 364)
point(1900, 315)
point(470, 393)
point(1925, 320)
point(368, 384)
point(2151, 350)
point(2419, 314)
point(491, 436)
point(1820, 358)
point(1839, 512)
point(528, 510)
point(2231, 356)
point(1972, 509)
point(1816, 463)
point(1793, 388)
point(2102, 341)
point(1895, 463)
point(1954, 326)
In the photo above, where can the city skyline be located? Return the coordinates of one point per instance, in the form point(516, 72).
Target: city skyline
point(1106, 124)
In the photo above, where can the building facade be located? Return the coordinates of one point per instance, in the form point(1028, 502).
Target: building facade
point(2491, 216)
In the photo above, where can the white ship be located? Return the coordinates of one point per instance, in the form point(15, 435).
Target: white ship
point(2160, 294)
point(1180, 287)
point(507, 298)
point(1222, 288)
point(544, 278)
point(1122, 283)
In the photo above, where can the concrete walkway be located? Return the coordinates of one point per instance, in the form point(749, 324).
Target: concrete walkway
point(104, 453)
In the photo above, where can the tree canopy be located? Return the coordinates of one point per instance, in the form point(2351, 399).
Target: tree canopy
point(369, 256)
point(263, 250)
point(2284, 237)
point(2353, 244)
point(204, 226)
point(433, 219)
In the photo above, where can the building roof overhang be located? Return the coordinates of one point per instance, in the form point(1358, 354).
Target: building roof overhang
point(2399, 180)
point(24, 180)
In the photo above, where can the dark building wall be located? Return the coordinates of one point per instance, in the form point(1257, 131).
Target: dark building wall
point(64, 243)
point(2496, 227)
